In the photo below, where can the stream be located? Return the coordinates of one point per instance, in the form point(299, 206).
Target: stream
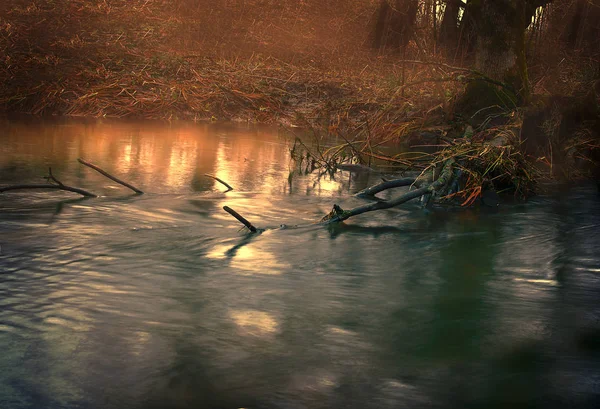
point(161, 300)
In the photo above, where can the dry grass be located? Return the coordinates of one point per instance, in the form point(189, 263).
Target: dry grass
point(302, 63)
point(255, 60)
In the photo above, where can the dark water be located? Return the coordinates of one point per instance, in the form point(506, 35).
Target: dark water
point(158, 301)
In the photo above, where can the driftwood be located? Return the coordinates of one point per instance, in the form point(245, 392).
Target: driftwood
point(338, 214)
point(108, 175)
point(47, 186)
point(57, 185)
point(220, 181)
point(370, 192)
point(427, 188)
point(240, 218)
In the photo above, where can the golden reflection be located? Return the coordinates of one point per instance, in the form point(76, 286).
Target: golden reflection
point(252, 163)
point(249, 258)
point(218, 252)
point(138, 344)
point(183, 155)
point(157, 157)
point(255, 260)
point(254, 322)
point(126, 154)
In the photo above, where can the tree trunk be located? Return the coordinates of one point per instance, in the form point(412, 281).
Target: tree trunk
point(499, 56)
point(467, 37)
point(395, 23)
point(449, 30)
point(574, 29)
point(500, 50)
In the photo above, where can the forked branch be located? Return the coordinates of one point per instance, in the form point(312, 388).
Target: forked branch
point(57, 185)
point(338, 214)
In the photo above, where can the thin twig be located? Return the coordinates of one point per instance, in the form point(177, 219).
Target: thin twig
point(240, 218)
point(220, 181)
point(108, 175)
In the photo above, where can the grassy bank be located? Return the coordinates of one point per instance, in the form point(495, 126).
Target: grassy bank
point(302, 63)
point(224, 60)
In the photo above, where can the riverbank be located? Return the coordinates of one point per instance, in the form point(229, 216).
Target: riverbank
point(298, 66)
point(169, 60)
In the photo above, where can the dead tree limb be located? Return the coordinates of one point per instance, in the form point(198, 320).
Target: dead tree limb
point(338, 214)
point(51, 178)
point(370, 192)
point(108, 175)
point(220, 181)
point(47, 186)
point(240, 219)
point(57, 185)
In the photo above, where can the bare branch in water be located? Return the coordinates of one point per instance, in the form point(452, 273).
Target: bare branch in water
point(240, 219)
point(338, 214)
point(220, 181)
point(57, 185)
point(386, 184)
point(51, 178)
point(47, 186)
point(108, 175)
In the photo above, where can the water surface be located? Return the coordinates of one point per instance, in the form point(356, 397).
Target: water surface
point(160, 301)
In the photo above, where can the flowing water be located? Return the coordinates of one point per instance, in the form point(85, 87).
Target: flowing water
point(160, 301)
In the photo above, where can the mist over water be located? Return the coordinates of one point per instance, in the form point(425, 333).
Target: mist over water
point(159, 301)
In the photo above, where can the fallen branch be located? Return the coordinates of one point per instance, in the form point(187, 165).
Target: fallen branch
point(240, 219)
point(108, 175)
point(220, 181)
point(338, 214)
point(57, 185)
point(352, 167)
point(370, 192)
point(47, 186)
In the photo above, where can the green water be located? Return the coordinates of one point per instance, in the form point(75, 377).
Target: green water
point(159, 301)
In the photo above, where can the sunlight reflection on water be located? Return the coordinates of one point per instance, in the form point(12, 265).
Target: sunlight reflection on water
point(158, 301)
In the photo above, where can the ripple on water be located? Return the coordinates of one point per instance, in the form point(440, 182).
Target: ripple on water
point(126, 301)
